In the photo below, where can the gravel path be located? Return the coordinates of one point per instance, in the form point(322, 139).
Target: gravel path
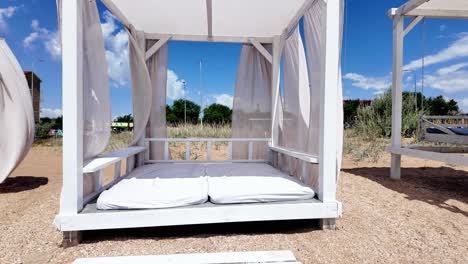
point(421, 219)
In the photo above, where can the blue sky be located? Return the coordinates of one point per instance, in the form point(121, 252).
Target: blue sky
point(30, 28)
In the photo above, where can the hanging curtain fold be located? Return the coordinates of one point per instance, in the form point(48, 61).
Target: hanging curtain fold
point(295, 101)
point(315, 38)
point(157, 67)
point(96, 96)
point(16, 113)
point(251, 115)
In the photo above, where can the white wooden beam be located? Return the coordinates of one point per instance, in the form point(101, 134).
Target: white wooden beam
point(413, 23)
point(328, 113)
point(438, 13)
point(450, 158)
point(261, 49)
point(117, 13)
point(206, 38)
point(72, 88)
point(299, 14)
point(278, 45)
point(397, 87)
point(209, 17)
point(151, 51)
point(410, 6)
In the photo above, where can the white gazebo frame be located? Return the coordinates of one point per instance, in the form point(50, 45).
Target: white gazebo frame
point(74, 217)
point(418, 10)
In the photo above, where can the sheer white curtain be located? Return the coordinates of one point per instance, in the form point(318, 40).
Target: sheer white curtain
point(157, 67)
point(315, 37)
point(296, 99)
point(16, 113)
point(96, 97)
point(251, 116)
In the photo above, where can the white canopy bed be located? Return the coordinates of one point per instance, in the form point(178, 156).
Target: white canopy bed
point(285, 151)
point(419, 10)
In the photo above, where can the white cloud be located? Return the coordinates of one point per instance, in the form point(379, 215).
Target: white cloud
point(51, 113)
point(457, 49)
point(175, 86)
point(50, 39)
point(364, 82)
point(449, 79)
point(464, 105)
point(224, 99)
point(6, 13)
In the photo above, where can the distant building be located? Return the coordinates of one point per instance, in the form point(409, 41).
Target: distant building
point(36, 93)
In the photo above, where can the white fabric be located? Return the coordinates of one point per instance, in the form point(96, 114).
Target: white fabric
point(16, 113)
point(157, 186)
point(157, 67)
point(229, 18)
point(96, 95)
point(296, 100)
point(142, 92)
point(253, 183)
point(251, 112)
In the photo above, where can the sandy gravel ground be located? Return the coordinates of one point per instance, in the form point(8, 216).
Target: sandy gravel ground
point(421, 219)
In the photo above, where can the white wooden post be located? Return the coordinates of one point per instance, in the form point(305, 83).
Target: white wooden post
point(328, 112)
point(278, 44)
point(71, 200)
point(398, 23)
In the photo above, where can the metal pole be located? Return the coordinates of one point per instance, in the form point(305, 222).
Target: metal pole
point(199, 90)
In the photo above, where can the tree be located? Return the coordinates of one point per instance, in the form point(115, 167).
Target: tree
point(217, 114)
point(438, 106)
point(177, 111)
point(124, 119)
point(171, 118)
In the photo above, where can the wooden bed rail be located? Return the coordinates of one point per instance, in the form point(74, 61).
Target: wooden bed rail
point(209, 142)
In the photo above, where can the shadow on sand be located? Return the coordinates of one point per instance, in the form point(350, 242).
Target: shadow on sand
point(203, 231)
point(22, 183)
point(431, 185)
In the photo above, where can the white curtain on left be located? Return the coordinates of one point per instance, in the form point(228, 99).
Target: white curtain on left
point(16, 113)
point(96, 96)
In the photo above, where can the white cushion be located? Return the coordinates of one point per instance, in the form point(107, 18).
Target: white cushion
point(252, 183)
point(157, 186)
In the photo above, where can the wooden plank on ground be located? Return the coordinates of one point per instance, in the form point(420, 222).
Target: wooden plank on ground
point(270, 257)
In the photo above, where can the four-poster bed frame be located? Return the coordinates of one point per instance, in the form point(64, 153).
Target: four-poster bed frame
point(76, 211)
point(418, 10)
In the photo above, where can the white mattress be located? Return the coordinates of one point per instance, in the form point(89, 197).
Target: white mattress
point(157, 186)
point(252, 183)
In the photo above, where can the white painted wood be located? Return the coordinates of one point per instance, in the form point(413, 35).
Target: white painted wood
point(250, 150)
point(450, 158)
point(296, 154)
point(206, 161)
point(203, 38)
point(209, 17)
point(208, 150)
point(290, 167)
point(431, 13)
point(410, 6)
point(230, 150)
point(71, 200)
point(300, 13)
point(413, 23)
point(328, 112)
point(117, 169)
point(261, 49)
point(272, 257)
point(202, 214)
point(166, 150)
point(156, 46)
point(187, 151)
point(103, 161)
point(208, 139)
point(278, 45)
point(130, 164)
point(397, 99)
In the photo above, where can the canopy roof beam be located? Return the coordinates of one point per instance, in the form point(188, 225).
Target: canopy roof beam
point(413, 23)
point(300, 13)
point(410, 6)
point(156, 47)
point(117, 13)
point(262, 50)
point(202, 38)
point(438, 13)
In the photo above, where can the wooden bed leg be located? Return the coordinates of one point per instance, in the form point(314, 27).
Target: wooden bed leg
point(71, 238)
point(327, 224)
